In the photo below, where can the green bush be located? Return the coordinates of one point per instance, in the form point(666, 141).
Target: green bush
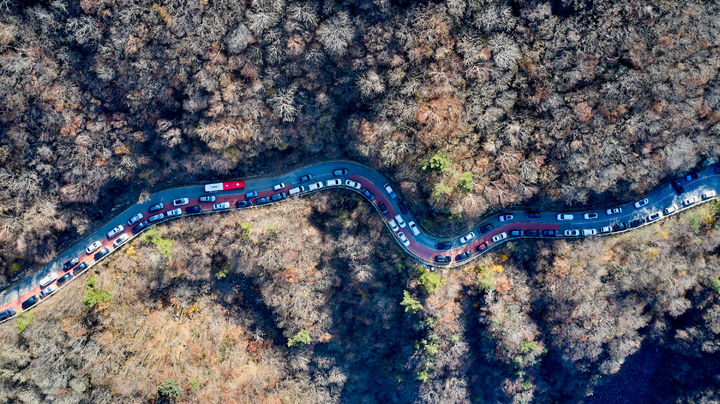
point(169, 389)
point(528, 346)
point(485, 279)
point(23, 321)
point(440, 191)
point(412, 305)
point(194, 384)
point(465, 182)
point(715, 284)
point(94, 296)
point(429, 281)
point(245, 228)
point(152, 236)
point(301, 338)
point(439, 162)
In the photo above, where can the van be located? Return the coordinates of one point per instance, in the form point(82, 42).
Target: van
point(297, 190)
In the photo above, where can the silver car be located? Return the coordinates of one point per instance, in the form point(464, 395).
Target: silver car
point(114, 232)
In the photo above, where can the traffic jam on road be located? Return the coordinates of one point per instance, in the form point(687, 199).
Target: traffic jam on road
point(447, 252)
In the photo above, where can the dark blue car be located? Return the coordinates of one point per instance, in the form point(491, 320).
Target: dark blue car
point(70, 264)
point(279, 196)
point(368, 194)
point(7, 314)
point(80, 268)
point(260, 201)
point(463, 256)
point(443, 245)
point(242, 204)
point(442, 258)
point(193, 209)
point(140, 226)
point(64, 278)
point(29, 302)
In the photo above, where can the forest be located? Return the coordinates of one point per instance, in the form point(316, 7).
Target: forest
point(468, 105)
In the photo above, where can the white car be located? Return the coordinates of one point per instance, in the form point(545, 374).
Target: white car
point(464, 239)
point(207, 198)
point(670, 209)
point(404, 239)
point(573, 232)
point(654, 216)
point(48, 279)
point(353, 184)
point(639, 204)
point(120, 240)
point(499, 237)
point(413, 227)
point(223, 205)
point(297, 190)
point(689, 201)
point(390, 191)
point(315, 186)
point(332, 183)
point(708, 194)
point(135, 219)
point(181, 202)
point(114, 232)
point(589, 232)
point(589, 216)
point(47, 291)
point(92, 247)
point(605, 229)
point(400, 221)
point(613, 211)
point(504, 218)
point(155, 218)
point(174, 212)
point(279, 186)
point(393, 225)
point(564, 216)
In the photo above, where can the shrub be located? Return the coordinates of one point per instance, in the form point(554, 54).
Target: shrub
point(412, 305)
point(94, 296)
point(152, 236)
point(245, 228)
point(23, 321)
point(194, 384)
point(169, 389)
point(528, 346)
point(485, 279)
point(715, 284)
point(439, 162)
point(440, 191)
point(301, 338)
point(429, 281)
point(465, 182)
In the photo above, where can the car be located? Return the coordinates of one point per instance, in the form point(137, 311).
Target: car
point(464, 239)
point(413, 227)
point(368, 194)
point(340, 171)
point(47, 291)
point(613, 211)
point(181, 201)
point(71, 263)
point(156, 207)
point(101, 253)
point(532, 233)
point(193, 209)
point(505, 218)
point(315, 186)
point(676, 186)
point(296, 190)
point(716, 170)
point(221, 205)
point(708, 194)
point(590, 216)
point(174, 212)
point(390, 191)
point(605, 229)
point(402, 207)
point(533, 215)
point(92, 247)
point(637, 222)
point(549, 233)
point(693, 175)
point(305, 178)
point(499, 237)
point(208, 198)
point(400, 221)
point(689, 201)
point(333, 183)
point(620, 226)
point(48, 279)
point(7, 314)
point(155, 218)
point(670, 209)
point(135, 219)
point(64, 278)
point(393, 225)
point(642, 202)
point(442, 258)
point(589, 232)
point(242, 204)
point(443, 245)
point(403, 238)
point(115, 231)
point(278, 197)
point(248, 195)
point(572, 232)
point(80, 268)
point(29, 302)
point(279, 186)
point(654, 216)
point(564, 216)
point(482, 246)
point(118, 241)
point(261, 201)
point(352, 184)
point(516, 233)
point(485, 229)
point(383, 209)
point(140, 226)
point(463, 256)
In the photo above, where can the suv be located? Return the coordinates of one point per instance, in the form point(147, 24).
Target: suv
point(333, 183)
point(390, 191)
point(689, 201)
point(208, 198)
point(156, 207)
point(296, 190)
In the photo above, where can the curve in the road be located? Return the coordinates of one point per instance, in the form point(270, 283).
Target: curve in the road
point(701, 185)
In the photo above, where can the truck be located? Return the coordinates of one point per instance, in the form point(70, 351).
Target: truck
point(224, 186)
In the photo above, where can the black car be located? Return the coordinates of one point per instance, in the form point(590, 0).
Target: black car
point(193, 209)
point(442, 258)
point(443, 245)
point(105, 251)
point(64, 278)
point(140, 226)
point(261, 201)
point(402, 207)
point(620, 226)
point(340, 171)
point(70, 263)
point(677, 187)
point(29, 302)
point(717, 168)
point(637, 222)
point(383, 209)
point(485, 229)
point(80, 268)
point(306, 177)
point(531, 233)
point(549, 233)
point(463, 256)
point(7, 314)
point(242, 204)
point(368, 194)
point(279, 196)
point(533, 215)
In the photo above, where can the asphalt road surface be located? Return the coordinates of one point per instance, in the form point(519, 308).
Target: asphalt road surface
point(488, 233)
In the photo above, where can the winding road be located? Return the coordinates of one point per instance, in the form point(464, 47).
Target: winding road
point(493, 230)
